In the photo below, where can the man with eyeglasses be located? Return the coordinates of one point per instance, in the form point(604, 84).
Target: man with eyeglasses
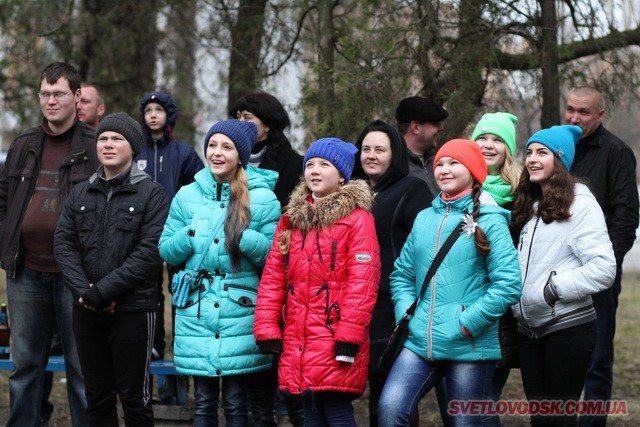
point(43, 164)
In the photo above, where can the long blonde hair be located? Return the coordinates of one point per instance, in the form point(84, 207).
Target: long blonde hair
point(238, 215)
point(510, 171)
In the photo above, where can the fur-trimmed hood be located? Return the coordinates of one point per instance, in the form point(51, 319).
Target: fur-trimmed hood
point(326, 211)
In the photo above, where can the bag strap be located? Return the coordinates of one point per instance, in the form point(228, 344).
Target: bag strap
point(208, 244)
point(444, 250)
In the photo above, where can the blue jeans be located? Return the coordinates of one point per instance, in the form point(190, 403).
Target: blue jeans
point(412, 377)
point(206, 398)
point(329, 408)
point(36, 301)
point(600, 374)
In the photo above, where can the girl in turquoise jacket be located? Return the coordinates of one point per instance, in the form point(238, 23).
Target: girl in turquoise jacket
point(228, 215)
point(453, 334)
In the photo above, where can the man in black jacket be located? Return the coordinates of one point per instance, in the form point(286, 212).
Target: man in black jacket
point(609, 167)
point(43, 165)
point(106, 245)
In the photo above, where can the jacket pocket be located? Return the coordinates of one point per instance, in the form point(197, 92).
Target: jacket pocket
point(244, 296)
point(128, 217)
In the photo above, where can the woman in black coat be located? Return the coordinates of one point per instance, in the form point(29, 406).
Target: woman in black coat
point(384, 162)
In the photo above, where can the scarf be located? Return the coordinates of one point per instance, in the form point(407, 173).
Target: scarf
point(499, 190)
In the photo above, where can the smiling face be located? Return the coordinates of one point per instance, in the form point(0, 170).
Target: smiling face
point(114, 152)
point(376, 155)
point(156, 118)
point(539, 162)
point(321, 176)
point(452, 176)
point(59, 110)
point(222, 157)
point(494, 151)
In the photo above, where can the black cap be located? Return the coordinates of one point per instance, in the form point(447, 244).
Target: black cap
point(420, 109)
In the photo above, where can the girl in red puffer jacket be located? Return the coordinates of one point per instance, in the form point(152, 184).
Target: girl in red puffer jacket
point(319, 287)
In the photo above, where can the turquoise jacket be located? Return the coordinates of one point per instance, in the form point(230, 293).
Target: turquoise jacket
point(214, 333)
point(467, 289)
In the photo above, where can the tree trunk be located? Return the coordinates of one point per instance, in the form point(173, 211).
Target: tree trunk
point(549, 65)
point(325, 49)
point(246, 47)
point(181, 65)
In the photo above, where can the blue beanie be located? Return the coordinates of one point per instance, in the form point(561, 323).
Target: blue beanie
point(339, 153)
point(243, 134)
point(559, 139)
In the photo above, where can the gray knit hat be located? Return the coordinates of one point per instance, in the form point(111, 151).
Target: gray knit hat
point(123, 124)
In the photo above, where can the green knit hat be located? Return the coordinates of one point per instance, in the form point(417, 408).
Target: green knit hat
point(499, 124)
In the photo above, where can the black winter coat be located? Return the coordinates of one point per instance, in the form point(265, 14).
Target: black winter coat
point(398, 198)
point(609, 168)
point(282, 158)
point(108, 235)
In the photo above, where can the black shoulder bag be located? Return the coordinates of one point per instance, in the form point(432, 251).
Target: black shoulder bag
point(396, 341)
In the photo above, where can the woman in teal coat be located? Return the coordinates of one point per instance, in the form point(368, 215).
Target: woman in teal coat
point(222, 225)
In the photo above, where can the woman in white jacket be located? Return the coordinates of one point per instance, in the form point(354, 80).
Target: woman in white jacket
point(565, 256)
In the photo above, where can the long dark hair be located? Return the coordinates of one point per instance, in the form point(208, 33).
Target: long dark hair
point(553, 205)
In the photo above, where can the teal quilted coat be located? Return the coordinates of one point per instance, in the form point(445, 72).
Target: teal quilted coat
point(214, 333)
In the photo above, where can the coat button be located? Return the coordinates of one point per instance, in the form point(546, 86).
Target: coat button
point(217, 336)
point(222, 205)
point(131, 209)
point(300, 348)
point(81, 208)
point(216, 305)
point(218, 372)
point(216, 240)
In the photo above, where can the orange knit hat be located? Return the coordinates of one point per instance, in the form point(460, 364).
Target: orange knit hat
point(466, 152)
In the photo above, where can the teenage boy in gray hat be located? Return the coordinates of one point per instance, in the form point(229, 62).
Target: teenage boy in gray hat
point(106, 245)
point(419, 120)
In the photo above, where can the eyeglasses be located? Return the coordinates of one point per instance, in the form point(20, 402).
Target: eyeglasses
point(59, 96)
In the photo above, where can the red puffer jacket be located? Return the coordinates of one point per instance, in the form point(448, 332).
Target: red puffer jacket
point(316, 302)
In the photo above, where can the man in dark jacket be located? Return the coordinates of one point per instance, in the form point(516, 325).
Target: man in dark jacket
point(106, 245)
point(43, 165)
point(419, 121)
point(609, 167)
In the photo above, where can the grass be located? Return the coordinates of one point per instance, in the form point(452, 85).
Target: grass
point(626, 372)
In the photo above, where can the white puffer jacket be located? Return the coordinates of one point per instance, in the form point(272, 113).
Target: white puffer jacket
point(577, 258)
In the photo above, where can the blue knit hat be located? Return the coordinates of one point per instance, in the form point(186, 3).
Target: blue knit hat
point(243, 134)
point(339, 153)
point(559, 139)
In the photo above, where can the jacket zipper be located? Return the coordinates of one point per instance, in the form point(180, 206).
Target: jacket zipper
point(155, 161)
point(34, 182)
point(526, 273)
point(432, 304)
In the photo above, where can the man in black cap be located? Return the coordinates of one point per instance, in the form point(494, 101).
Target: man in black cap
point(419, 121)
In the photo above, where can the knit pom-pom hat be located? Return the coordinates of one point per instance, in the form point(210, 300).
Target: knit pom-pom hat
point(338, 152)
point(243, 134)
point(466, 152)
